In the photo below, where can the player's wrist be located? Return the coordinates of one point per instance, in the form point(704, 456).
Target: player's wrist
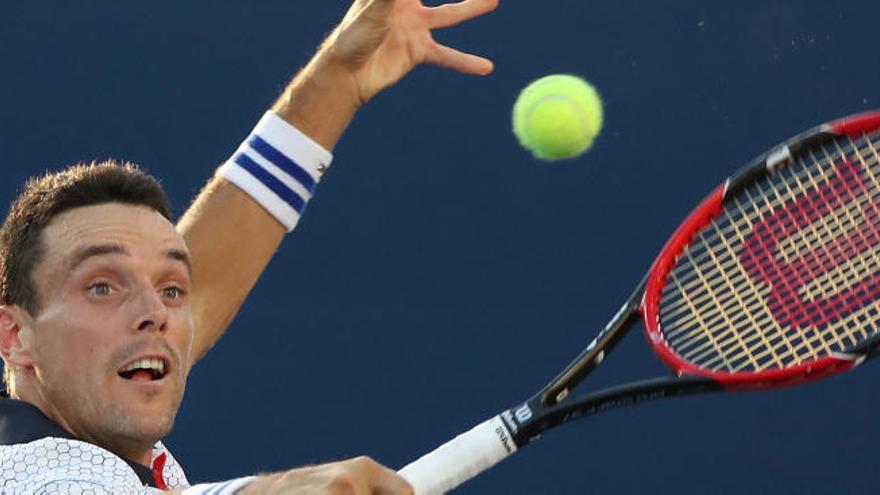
point(279, 167)
point(330, 67)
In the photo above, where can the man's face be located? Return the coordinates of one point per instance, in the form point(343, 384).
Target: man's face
point(111, 343)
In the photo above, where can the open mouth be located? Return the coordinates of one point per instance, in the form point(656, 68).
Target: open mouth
point(145, 369)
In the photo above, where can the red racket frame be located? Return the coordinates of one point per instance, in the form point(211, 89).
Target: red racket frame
point(700, 217)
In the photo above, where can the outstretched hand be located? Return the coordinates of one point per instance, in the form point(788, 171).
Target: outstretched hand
point(380, 41)
point(377, 43)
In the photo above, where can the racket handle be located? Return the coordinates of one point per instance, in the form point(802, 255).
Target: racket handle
point(460, 459)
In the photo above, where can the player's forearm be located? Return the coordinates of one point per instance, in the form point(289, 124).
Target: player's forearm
point(321, 100)
point(233, 230)
point(231, 240)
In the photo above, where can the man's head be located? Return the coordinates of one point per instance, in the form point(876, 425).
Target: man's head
point(95, 326)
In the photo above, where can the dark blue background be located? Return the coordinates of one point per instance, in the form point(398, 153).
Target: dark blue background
point(441, 274)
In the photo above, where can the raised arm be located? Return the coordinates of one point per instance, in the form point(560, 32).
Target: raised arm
point(231, 236)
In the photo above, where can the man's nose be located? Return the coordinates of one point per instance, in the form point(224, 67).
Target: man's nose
point(154, 313)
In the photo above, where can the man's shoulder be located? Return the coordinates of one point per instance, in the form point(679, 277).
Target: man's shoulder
point(61, 465)
point(21, 422)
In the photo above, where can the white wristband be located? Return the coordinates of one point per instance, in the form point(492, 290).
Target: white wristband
point(221, 488)
point(278, 166)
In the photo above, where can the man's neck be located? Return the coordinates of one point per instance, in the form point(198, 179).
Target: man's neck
point(133, 451)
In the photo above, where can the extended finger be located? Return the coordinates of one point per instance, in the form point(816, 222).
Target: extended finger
point(451, 14)
point(460, 61)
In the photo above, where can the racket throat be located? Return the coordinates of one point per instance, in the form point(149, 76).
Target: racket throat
point(594, 354)
point(524, 423)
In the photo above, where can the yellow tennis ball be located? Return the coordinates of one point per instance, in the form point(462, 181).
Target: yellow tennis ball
point(557, 117)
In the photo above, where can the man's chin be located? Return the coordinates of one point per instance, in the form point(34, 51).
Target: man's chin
point(151, 407)
point(134, 437)
point(131, 432)
point(145, 422)
point(157, 427)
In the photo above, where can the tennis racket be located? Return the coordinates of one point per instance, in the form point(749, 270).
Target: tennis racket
point(773, 280)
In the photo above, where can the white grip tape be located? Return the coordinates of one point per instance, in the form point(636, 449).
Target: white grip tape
point(460, 459)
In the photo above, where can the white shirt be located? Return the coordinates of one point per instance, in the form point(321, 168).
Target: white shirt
point(61, 465)
point(38, 457)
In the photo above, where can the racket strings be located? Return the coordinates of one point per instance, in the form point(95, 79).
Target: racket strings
point(727, 232)
point(746, 220)
point(829, 229)
point(823, 338)
point(729, 260)
point(828, 235)
point(788, 272)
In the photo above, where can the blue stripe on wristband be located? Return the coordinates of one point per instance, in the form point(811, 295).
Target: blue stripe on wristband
point(281, 161)
point(279, 167)
point(279, 188)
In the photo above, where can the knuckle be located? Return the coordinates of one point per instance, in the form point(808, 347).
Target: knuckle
point(343, 483)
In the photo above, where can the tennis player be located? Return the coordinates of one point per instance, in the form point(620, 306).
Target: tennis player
point(106, 305)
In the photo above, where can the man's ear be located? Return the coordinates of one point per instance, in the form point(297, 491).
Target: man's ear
point(15, 335)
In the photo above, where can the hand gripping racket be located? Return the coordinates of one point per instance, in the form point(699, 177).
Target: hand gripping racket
point(773, 280)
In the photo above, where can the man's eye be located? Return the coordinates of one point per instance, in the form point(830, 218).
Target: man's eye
point(172, 292)
point(100, 289)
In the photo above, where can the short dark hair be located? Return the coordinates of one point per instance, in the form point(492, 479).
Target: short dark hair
point(53, 193)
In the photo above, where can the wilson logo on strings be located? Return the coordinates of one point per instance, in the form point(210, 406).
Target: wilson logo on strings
point(815, 252)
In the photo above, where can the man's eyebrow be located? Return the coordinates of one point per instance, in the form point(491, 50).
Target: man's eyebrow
point(181, 256)
point(83, 254)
